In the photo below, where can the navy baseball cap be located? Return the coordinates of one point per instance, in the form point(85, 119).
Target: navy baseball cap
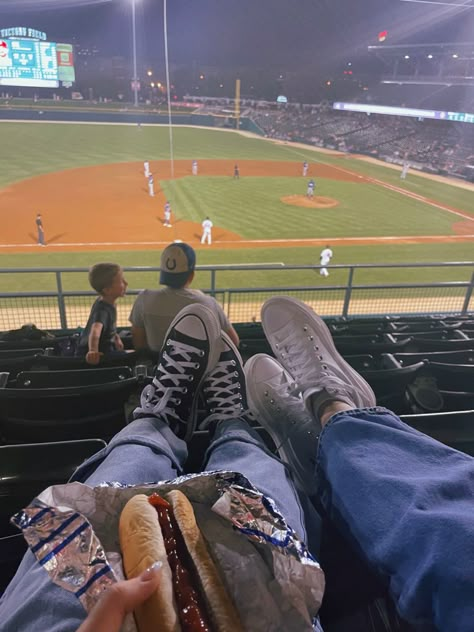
point(177, 262)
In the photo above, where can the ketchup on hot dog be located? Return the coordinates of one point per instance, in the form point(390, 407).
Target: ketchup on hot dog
point(192, 609)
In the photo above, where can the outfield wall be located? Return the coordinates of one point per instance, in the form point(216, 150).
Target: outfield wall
point(128, 117)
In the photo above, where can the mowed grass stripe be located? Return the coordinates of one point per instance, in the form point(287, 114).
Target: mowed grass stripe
point(450, 195)
point(33, 149)
point(249, 278)
point(251, 207)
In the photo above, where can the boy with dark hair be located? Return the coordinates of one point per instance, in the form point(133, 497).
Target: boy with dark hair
point(100, 335)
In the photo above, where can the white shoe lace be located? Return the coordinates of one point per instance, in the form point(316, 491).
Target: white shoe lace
point(306, 365)
point(222, 393)
point(160, 399)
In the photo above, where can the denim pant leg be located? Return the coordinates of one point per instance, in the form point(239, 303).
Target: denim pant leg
point(239, 448)
point(144, 451)
point(406, 503)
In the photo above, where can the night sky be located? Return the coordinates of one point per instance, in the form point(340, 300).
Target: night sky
point(266, 33)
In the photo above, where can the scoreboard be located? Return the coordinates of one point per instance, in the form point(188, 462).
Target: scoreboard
point(30, 62)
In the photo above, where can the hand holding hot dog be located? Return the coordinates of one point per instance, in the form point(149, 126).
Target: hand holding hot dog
point(120, 599)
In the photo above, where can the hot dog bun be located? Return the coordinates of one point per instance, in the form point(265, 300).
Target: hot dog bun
point(224, 615)
point(142, 544)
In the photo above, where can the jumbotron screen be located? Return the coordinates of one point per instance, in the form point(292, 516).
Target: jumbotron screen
point(30, 62)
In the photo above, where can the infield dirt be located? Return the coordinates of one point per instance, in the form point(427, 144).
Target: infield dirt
point(108, 207)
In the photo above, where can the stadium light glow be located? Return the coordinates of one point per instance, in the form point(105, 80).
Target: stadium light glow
point(430, 56)
point(407, 56)
point(455, 56)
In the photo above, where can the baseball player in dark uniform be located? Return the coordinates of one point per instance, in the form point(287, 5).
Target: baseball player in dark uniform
point(39, 226)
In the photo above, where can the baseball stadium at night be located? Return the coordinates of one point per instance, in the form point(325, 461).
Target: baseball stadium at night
point(236, 316)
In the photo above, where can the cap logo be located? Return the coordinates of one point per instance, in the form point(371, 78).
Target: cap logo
point(171, 264)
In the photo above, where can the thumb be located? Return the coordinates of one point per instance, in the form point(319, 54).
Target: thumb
point(120, 599)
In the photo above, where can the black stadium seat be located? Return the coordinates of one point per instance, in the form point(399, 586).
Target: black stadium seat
point(453, 377)
point(37, 413)
point(7, 354)
point(373, 345)
point(25, 470)
point(446, 357)
point(81, 377)
point(433, 344)
point(455, 429)
point(13, 366)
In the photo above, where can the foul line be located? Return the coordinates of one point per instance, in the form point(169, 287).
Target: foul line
point(336, 240)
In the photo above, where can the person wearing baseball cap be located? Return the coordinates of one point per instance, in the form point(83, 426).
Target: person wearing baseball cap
point(154, 310)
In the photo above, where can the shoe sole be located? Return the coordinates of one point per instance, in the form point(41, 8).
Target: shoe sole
point(213, 330)
point(258, 407)
point(353, 378)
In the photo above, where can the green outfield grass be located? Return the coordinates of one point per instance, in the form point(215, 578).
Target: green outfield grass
point(241, 279)
point(249, 207)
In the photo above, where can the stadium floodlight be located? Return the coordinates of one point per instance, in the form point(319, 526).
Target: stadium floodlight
point(407, 56)
point(430, 56)
point(455, 56)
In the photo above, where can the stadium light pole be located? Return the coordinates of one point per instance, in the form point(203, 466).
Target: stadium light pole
point(134, 36)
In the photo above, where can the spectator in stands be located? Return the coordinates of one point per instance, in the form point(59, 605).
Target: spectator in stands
point(100, 335)
point(403, 500)
point(154, 310)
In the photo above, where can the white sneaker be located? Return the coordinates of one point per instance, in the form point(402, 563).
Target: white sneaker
point(284, 417)
point(303, 344)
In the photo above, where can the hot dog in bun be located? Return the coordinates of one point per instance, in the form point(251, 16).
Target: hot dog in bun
point(191, 596)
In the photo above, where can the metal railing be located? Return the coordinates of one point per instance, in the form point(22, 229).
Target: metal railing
point(351, 291)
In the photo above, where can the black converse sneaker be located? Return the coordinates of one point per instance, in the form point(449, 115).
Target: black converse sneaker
point(303, 344)
point(224, 388)
point(190, 351)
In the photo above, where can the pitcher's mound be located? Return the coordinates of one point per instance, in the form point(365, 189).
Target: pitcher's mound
point(315, 202)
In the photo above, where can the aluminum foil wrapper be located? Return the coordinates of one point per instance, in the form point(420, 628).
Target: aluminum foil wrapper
point(276, 584)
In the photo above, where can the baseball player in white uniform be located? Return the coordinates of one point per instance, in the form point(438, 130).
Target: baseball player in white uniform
point(146, 168)
point(406, 167)
point(167, 222)
point(305, 169)
point(324, 259)
point(195, 167)
point(151, 185)
point(310, 189)
point(207, 231)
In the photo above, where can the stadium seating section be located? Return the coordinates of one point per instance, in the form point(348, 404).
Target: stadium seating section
point(55, 411)
point(435, 146)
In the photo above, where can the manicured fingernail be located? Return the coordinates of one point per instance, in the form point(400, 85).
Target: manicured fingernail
point(151, 571)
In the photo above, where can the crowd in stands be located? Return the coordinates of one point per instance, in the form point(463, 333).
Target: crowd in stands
point(437, 146)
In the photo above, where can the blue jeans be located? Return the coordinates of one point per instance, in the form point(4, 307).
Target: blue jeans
point(147, 451)
point(403, 500)
point(406, 504)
